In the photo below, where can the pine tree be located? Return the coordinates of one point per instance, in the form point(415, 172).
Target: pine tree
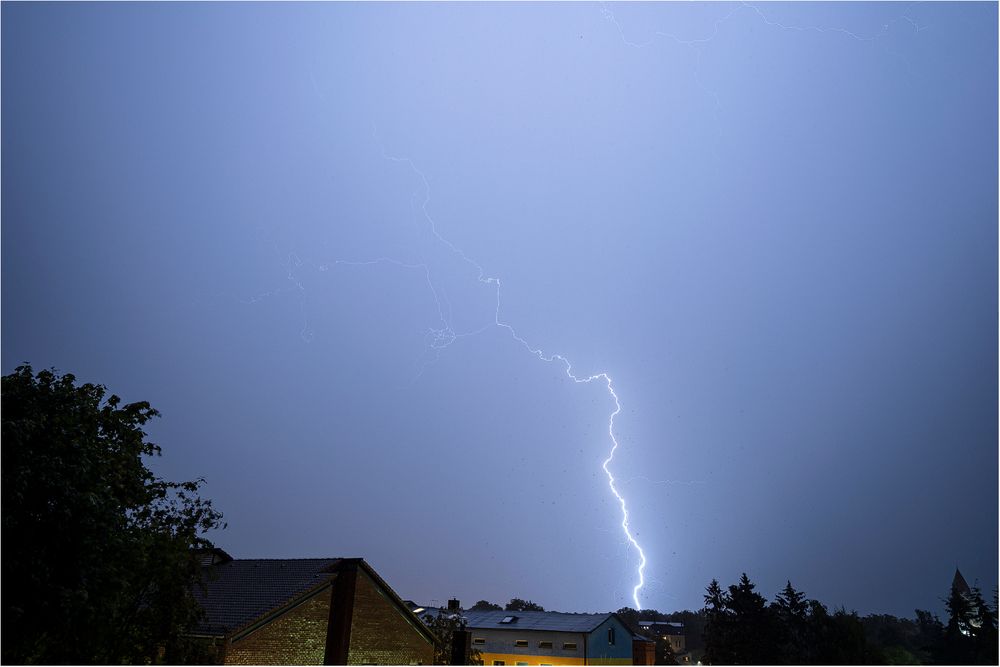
point(790, 611)
point(753, 632)
point(984, 630)
point(718, 645)
point(959, 646)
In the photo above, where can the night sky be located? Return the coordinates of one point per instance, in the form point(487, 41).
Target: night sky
point(773, 226)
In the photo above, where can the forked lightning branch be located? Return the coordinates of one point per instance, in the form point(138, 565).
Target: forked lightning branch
point(441, 338)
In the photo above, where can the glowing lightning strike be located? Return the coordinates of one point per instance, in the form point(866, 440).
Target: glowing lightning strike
point(441, 338)
point(495, 282)
point(611, 432)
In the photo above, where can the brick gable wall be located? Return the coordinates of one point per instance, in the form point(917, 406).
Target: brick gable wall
point(297, 637)
point(381, 634)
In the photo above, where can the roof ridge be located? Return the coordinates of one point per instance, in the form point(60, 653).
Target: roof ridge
point(237, 560)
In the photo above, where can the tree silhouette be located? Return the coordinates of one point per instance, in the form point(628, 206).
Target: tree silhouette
point(97, 561)
point(485, 605)
point(791, 614)
point(517, 604)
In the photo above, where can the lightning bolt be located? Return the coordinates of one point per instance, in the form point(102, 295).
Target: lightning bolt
point(440, 338)
point(611, 433)
point(447, 336)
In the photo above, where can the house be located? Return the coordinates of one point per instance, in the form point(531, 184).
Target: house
point(305, 611)
point(546, 637)
point(670, 632)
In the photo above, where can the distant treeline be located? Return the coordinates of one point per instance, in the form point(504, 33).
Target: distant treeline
point(738, 626)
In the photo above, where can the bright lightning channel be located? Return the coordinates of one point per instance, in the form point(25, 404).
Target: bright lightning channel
point(444, 337)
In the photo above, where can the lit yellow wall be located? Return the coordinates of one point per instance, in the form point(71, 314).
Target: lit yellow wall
point(511, 659)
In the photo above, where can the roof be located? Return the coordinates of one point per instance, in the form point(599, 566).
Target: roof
point(664, 627)
point(959, 584)
point(547, 621)
point(236, 592)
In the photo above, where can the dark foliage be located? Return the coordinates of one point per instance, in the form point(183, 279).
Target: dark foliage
point(443, 626)
point(97, 562)
point(903, 641)
point(794, 630)
point(741, 628)
point(970, 637)
point(517, 604)
point(485, 605)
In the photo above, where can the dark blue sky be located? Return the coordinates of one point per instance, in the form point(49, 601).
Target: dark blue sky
point(774, 226)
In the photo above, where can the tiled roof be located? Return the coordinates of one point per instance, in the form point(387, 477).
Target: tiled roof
point(549, 621)
point(237, 592)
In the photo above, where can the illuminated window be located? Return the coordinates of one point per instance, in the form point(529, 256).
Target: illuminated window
point(569, 646)
point(523, 643)
point(478, 640)
point(611, 636)
point(544, 644)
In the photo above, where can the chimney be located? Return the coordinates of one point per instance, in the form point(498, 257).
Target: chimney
point(454, 605)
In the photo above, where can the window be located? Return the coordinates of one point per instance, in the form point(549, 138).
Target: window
point(523, 664)
point(569, 646)
point(544, 644)
point(521, 643)
point(611, 636)
point(508, 619)
point(499, 662)
point(479, 640)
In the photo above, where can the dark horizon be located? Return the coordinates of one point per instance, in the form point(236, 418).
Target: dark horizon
point(773, 227)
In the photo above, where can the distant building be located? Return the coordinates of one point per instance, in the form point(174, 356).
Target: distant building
point(668, 631)
point(546, 637)
point(306, 611)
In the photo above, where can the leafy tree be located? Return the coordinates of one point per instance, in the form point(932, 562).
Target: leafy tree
point(485, 605)
point(891, 640)
point(664, 652)
point(930, 636)
point(443, 626)
point(842, 640)
point(517, 604)
point(97, 564)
